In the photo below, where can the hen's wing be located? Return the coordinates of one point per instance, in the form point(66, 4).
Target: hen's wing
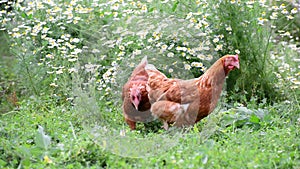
point(170, 95)
point(162, 88)
point(181, 91)
point(157, 84)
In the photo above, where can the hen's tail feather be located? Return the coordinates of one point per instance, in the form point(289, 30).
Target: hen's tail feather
point(150, 67)
point(144, 60)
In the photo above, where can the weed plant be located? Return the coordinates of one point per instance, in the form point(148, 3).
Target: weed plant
point(62, 77)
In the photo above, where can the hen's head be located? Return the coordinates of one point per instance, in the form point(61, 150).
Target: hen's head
point(231, 62)
point(135, 96)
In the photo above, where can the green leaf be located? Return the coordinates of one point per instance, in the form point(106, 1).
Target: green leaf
point(41, 139)
point(195, 129)
point(254, 119)
point(228, 119)
point(175, 6)
point(30, 16)
point(2, 163)
point(24, 15)
point(244, 110)
point(26, 162)
point(24, 152)
point(261, 113)
point(151, 9)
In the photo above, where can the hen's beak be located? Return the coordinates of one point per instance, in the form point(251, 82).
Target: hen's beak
point(136, 105)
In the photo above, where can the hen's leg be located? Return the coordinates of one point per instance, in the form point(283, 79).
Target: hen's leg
point(166, 125)
point(132, 124)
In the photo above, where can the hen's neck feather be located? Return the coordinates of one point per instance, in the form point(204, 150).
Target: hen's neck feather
point(215, 75)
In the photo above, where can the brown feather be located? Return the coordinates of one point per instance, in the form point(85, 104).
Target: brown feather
point(201, 94)
point(137, 80)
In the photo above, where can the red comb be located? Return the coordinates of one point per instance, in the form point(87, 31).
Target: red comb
point(237, 56)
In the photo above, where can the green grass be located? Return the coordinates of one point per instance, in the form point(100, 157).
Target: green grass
point(8, 80)
point(60, 84)
point(272, 141)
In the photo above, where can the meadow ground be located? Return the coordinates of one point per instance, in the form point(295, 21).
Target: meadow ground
point(63, 65)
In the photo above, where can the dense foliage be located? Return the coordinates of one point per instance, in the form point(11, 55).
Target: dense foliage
point(63, 64)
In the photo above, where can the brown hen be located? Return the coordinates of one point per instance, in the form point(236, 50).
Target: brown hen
point(185, 102)
point(136, 105)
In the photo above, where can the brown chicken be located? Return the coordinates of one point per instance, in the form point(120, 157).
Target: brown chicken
point(136, 105)
point(185, 102)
